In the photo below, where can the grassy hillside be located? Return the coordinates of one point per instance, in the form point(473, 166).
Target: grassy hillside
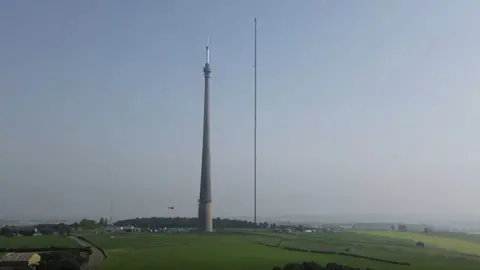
point(154, 251)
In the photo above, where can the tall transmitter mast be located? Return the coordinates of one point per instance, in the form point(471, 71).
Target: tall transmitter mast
point(205, 201)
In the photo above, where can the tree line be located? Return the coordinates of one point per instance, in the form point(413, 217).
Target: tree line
point(183, 222)
point(45, 229)
point(143, 223)
point(49, 229)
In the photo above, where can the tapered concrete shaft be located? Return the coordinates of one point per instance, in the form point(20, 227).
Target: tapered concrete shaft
point(205, 202)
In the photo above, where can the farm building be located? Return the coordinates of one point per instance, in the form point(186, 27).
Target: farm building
point(13, 260)
point(131, 229)
point(121, 229)
point(114, 229)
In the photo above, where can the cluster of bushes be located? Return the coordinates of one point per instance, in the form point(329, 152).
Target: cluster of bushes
point(10, 232)
point(62, 260)
point(316, 266)
point(420, 244)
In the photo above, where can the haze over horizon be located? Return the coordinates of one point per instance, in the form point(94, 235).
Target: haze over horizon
point(363, 107)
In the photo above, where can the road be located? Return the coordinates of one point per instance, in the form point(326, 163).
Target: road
point(95, 259)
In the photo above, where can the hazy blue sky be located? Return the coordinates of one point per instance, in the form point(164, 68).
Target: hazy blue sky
point(363, 107)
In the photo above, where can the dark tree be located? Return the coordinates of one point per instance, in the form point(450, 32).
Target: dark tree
point(7, 232)
point(46, 230)
point(299, 228)
point(402, 228)
point(74, 226)
point(26, 231)
point(87, 223)
point(60, 228)
point(420, 244)
point(63, 229)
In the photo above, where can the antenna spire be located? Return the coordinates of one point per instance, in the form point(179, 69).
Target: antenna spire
point(207, 60)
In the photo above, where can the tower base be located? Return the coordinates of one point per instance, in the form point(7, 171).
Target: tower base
point(205, 219)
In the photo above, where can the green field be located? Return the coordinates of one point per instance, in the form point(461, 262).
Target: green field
point(36, 242)
point(456, 242)
point(245, 251)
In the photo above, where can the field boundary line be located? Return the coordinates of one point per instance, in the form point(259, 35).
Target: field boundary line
point(337, 253)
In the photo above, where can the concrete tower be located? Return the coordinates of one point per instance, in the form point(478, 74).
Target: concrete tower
point(205, 201)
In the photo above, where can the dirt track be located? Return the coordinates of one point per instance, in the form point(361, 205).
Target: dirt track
point(95, 258)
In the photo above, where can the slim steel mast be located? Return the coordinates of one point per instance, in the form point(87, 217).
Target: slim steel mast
point(255, 129)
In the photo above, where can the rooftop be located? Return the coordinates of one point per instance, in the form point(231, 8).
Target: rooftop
point(25, 257)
